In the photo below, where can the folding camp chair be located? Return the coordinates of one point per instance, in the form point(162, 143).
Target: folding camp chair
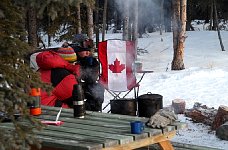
point(117, 58)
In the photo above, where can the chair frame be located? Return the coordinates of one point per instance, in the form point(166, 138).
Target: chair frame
point(135, 88)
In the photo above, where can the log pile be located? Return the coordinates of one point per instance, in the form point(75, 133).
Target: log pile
point(216, 119)
point(201, 114)
point(222, 131)
point(221, 117)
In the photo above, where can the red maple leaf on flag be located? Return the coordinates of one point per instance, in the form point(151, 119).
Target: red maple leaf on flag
point(116, 67)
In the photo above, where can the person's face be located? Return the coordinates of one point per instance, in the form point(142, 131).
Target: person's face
point(84, 54)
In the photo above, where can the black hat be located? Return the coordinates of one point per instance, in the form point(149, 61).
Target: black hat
point(78, 48)
point(81, 42)
point(78, 38)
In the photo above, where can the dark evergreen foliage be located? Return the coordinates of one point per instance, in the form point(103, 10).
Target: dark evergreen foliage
point(15, 79)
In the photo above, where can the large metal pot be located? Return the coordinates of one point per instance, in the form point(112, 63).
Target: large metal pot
point(124, 106)
point(149, 104)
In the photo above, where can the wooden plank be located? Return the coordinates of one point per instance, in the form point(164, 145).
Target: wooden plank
point(120, 131)
point(168, 128)
point(191, 146)
point(101, 115)
point(64, 141)
point(88, 128)
point(108, 122)
point(166, 145)
point(98, 127)
point(111, 118)
point(84, 121)
point(50, 110)
point(121, 138)
point(95, 124)
point(179, 125)
point(124, 130)
point(77, 138)
point(48, 141)
point(153, 132)
point(174, 126)
point(104, 123)
point(95, 118)
point(68, 113)
point(90, 133)
point(90, 117)
point(117, 116)
point(69, 135)
point(97, 130)
point(136, 136)
point(144, 142)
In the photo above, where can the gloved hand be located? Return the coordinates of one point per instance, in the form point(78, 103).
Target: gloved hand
point(162, 118)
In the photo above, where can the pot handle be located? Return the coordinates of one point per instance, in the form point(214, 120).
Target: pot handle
point(149, 93)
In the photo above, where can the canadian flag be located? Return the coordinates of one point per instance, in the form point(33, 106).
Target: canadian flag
point(117, 58)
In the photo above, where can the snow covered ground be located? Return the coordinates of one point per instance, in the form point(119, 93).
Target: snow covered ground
point(204, 80)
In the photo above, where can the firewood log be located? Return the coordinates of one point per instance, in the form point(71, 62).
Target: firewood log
point(222, 131)
point(201, 114)
point(220, 117)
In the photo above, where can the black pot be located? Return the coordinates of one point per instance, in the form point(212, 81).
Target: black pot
point(124, 106)
point(149, 104)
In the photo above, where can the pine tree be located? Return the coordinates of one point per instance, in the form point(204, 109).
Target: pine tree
point(61, 18)
point(15, 79)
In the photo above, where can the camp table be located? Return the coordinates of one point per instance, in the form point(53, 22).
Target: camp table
point(98, 130)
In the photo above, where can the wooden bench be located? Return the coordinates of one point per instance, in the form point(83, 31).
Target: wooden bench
point(99, 131)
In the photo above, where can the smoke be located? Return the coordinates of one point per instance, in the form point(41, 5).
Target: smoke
point(149, 11)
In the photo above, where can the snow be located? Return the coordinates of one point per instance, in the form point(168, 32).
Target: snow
point(204, 79)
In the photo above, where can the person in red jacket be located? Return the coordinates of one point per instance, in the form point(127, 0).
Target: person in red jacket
point(56, 68)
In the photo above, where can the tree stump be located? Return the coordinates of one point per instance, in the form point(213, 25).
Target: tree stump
point(178, 106)
point(220, 117)
point(222, 131)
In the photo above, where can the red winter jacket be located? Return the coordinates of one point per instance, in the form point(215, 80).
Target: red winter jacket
point(48, 60)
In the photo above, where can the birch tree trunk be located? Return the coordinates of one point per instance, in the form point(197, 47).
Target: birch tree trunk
point(126, 21)
point(32, 27)
point(104, 19)
point(78, 16)
point(179, 30)
point(90, 21)
point(97, 23)
point(135, 26)
point(135, 21)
